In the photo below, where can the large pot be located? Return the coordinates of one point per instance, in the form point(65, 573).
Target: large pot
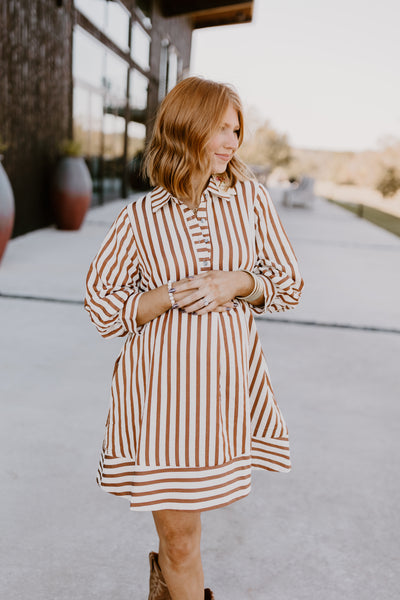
point(7, 209)
point(71, 192)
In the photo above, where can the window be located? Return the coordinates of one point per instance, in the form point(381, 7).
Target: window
point(170, 68)
point(138, 88)
point(88, 58)
point(136, 138)
point(94, 10)
point(88, 130)
point(136, 142)
point(115, 75)
point(117, 25)
point(99, 111)
point(113, 154)
point(140, 46)
point(110, 17)
point(88, 120)
point(108, 116)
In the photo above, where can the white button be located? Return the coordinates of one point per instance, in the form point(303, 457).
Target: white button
point(206, 262)
point(207, 241)
point(202, 220)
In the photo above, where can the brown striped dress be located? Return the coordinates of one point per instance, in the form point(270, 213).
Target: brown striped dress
point(192, 408)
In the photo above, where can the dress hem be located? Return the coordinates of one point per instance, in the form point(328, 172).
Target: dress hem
point(203, 488)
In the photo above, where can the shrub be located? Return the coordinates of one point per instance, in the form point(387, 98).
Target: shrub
point(389, 182)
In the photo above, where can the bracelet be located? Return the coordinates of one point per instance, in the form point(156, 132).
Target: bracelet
point(256, 292)
point(171, 291)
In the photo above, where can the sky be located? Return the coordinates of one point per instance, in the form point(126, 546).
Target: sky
point(325, 73)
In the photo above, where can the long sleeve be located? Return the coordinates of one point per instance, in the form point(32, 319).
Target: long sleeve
point(112, 291)
point(276, 261)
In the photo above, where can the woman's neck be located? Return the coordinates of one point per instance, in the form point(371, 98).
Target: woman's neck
point(198, 184)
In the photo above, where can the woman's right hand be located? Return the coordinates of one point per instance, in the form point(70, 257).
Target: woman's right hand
point(157, 301)
point(190, 293)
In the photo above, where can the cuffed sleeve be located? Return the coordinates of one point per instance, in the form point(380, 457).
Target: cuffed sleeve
point(112, 283)
point(276, 261)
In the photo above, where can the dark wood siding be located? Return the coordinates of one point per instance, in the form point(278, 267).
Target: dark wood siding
point(35, 99)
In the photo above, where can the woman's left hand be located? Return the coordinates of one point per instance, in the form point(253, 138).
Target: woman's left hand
point(210, 291)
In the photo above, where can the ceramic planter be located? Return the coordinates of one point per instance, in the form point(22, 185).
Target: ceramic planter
point(7, 209)
point(71, 192)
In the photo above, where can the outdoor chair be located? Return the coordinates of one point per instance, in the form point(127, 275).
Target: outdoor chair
point(302, 195)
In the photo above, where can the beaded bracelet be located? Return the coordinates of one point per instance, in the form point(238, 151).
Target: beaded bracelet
point(256, 292)
point(171, 291)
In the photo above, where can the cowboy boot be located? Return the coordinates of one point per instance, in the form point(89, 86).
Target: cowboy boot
point(158, 587)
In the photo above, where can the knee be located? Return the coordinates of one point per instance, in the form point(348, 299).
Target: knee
point(180, 546)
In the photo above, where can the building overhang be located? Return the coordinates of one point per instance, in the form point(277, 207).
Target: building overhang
point(209, 13)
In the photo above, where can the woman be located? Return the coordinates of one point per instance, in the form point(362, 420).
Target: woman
point(181, 273)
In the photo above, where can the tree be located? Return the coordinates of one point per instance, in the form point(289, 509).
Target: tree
point(389, 182)
point(267, 147)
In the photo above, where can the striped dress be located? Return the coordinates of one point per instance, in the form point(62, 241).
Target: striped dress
point(192, 409)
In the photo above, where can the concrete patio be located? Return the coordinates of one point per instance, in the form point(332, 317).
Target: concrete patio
point(326, 531)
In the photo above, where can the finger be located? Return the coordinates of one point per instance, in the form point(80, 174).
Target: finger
point(229, 304)
point(202, 275)
point(202, 306)
point(184, 284)
point(196, 282)
point(215, 307)
point(185, 300)
point(181, 295)
point(226, 306)
point(222, 309)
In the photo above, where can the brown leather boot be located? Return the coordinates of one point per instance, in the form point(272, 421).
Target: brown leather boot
point(158, 587)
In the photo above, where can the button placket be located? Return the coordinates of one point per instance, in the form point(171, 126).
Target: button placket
point(203, 223)
point(199, 233)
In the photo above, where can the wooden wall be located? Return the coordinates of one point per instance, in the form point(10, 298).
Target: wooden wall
point(35, 99)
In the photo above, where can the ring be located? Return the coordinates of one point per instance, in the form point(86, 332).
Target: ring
point(206, 301)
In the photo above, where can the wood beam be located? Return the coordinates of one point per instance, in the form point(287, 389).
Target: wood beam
point(172, 8)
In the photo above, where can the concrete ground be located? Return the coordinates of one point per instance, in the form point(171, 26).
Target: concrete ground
point(328, 530)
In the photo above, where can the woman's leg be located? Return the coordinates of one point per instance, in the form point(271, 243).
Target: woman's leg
point(179, 553)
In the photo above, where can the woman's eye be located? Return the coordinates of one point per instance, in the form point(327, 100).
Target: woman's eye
point(237, 131)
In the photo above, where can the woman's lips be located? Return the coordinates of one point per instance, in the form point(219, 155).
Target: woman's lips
point(225, 157)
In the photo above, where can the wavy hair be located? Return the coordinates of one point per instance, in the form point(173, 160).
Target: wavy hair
point(176, 157)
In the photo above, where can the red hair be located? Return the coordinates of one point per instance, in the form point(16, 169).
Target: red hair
point(187, 119)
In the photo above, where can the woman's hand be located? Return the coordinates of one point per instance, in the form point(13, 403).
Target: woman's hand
point(211, 291)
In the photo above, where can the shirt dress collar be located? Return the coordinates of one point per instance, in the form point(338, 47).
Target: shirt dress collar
point(217, 186)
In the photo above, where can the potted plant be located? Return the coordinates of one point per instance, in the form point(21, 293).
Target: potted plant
point(7, 205)
point(71, 187)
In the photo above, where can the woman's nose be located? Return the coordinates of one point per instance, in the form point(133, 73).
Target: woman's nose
point(232, 141)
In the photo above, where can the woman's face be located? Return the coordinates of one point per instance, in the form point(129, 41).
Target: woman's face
point(225, 141)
